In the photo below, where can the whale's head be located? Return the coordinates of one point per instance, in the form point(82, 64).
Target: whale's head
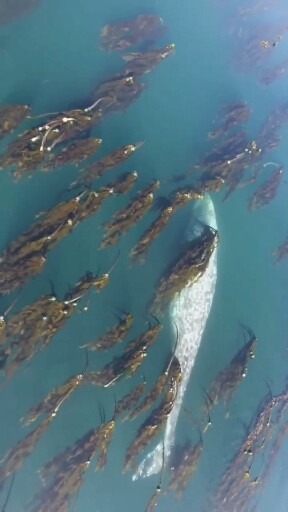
point(203, 213)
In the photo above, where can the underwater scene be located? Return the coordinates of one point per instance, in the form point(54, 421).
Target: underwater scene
point(144, 256)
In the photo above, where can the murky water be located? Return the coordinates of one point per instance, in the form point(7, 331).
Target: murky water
point(51, 59)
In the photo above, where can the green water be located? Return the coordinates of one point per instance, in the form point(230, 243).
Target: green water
point(51, 60)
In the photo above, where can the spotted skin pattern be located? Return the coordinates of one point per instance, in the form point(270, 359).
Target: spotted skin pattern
point(189, 311)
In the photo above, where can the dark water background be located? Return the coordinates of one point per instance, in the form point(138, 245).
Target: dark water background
point(51, 59)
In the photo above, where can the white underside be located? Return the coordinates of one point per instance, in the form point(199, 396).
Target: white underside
point(190, 311)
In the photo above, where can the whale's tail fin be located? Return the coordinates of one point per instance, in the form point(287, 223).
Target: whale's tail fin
point(151, 464)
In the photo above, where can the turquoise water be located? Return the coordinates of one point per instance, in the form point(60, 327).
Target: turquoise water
point(51, 59)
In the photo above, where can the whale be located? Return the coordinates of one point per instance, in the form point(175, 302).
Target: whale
point(189, 311)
